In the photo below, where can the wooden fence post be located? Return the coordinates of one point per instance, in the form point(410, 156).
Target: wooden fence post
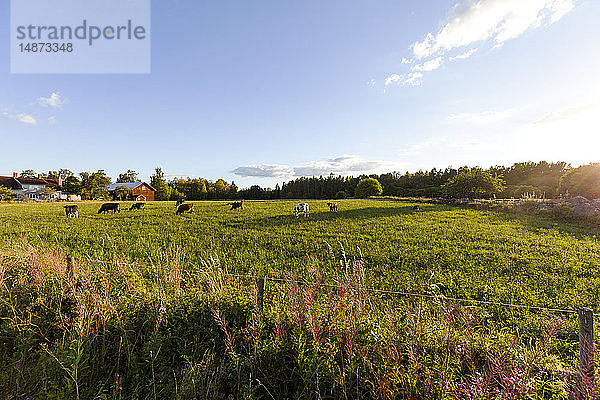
point(586, 342)
point(70, 266)
point(260, 293)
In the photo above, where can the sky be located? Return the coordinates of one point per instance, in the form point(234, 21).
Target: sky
point(263, 92)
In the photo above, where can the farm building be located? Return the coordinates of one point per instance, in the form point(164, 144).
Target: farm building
point(39, 188)
point(138, 191)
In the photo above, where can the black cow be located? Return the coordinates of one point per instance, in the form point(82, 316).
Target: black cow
point(137, 206)
point(72, 211)
point(179, 202)
point(106, 207)
point(332, 207)
point(236, 204)
point(185, 207)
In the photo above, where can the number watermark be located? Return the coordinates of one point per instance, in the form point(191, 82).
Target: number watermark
point(74, 36)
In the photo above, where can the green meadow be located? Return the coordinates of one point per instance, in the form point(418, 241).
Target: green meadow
point(474, 254)
point(309, 342)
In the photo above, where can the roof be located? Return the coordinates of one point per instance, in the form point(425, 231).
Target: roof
point(128, 185)
point(17, 183)
point(10, 182)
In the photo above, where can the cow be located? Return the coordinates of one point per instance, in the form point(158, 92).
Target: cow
point(137, 206)
point(185, 207)
point(301, 208)
point(416, 207)
point(106, 207)
point(236, 204)
point(72, 211)
point(332, 207)
point(179, 202)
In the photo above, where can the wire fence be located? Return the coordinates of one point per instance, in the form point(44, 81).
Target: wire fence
point(368, 289)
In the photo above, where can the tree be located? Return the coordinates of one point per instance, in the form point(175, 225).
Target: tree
point(5, 193)
point(157, 181)
point(368, 187)
point(28, 173)
point(341, 195)
point(94, 185)
point(129, 176)
point(122, 193)
point(72, 184)
point(582, 181)
point(473, 183)
point(176, 195)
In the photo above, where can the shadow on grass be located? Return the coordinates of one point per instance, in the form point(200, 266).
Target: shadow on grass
point(356, 214)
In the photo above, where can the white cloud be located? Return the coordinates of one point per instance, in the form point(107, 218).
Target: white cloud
point(568, 113)
point(414, 150)
point(24, 118)
point(343, 165)
point(264, 171)
point(484, 117)
point(430, 65)
point(474, 21)
point(466, 54)
point(55, 100)
point(495, 20)
point(411, 79)
point(52, 120)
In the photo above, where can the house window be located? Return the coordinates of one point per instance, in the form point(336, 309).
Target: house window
point(143, 187)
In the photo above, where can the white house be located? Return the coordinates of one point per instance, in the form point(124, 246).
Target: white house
point(34, 188)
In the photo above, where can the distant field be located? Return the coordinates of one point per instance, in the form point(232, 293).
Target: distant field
point(474, 254)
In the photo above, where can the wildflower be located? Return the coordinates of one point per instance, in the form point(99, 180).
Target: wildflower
point(162, 310)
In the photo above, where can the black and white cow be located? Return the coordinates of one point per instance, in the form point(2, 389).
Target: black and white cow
point(185, 207)
point(301, 208)
point(72, 211)
point(137, 206)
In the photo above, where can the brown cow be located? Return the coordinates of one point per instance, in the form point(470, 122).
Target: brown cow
point(236, 204)
point(332, 207)
point(185, 207)
point(72, 211)
point(106, 207)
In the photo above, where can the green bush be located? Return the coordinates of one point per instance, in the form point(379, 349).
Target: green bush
point(368, 187)
point(341, 195)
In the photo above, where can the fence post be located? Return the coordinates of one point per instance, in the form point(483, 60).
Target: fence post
point(260, 293)
point(70, 266)
point(586, 342)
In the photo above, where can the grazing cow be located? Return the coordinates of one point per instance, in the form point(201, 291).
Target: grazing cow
point(301, 208)
point(137, 206)
point(72, 211)
point(332, 207)
point(236, 204)
point(106, 207)
point(179, 202)
point(185, 207)
point(415, 207)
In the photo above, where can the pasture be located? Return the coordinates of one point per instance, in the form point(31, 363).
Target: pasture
point(474, 254)
point(433, 250)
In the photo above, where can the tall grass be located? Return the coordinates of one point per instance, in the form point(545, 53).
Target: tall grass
point(184, 331)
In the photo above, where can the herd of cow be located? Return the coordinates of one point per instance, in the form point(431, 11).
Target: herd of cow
point(182, 207)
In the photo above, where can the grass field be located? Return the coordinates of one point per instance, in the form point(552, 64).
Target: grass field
point(434, 249)
point(475, 254)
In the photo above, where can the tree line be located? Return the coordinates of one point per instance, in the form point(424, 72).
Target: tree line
point(531, 179)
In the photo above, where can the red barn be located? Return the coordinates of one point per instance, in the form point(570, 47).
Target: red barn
point(138, 191)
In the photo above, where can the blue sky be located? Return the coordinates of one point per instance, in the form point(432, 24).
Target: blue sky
point(264, 91)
